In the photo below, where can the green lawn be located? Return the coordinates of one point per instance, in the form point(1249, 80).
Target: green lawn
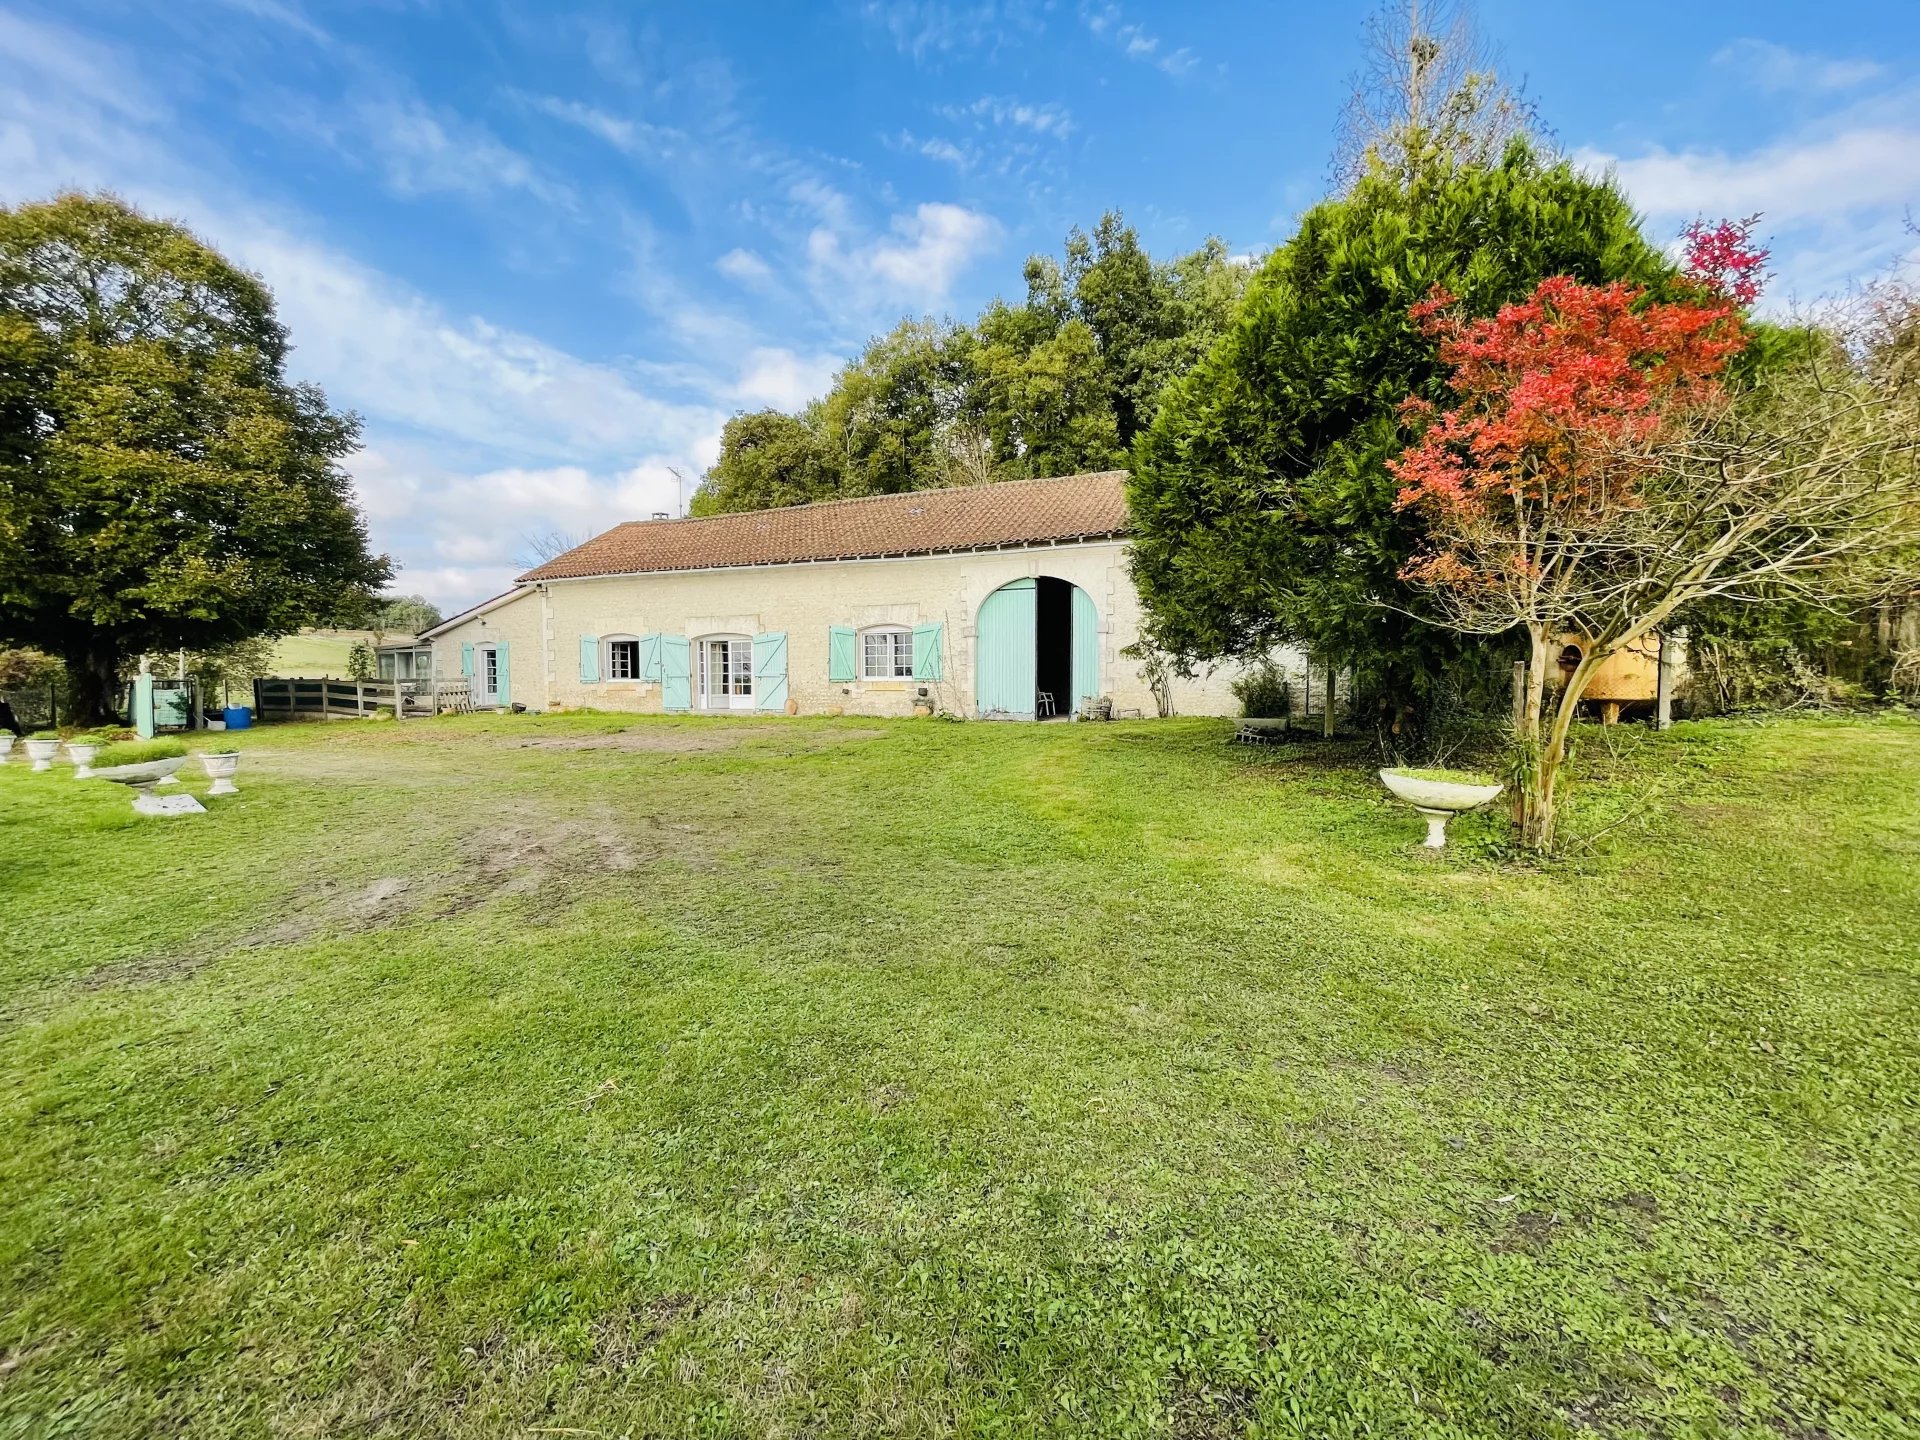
point(502, 1076)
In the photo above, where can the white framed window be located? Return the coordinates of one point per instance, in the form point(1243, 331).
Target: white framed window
point(623, 658)
point(886, 654)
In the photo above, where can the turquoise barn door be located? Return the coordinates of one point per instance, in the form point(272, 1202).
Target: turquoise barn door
point(770, 670)
point(1004, 667)
point(676, 672)
point(1086, 648)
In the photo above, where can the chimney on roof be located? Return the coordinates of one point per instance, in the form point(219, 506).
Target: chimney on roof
point(658, 515)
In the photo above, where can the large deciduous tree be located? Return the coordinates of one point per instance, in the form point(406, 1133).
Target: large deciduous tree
point(1262, 503)
point(1058, 382)
point(1593, 473)
point(162, 483)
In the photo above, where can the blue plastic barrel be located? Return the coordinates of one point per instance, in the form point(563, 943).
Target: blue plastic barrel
point(239, 717)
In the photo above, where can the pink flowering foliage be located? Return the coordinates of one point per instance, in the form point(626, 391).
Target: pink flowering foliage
point(1724, 259)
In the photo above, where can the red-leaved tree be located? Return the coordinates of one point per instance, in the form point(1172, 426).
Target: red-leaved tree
point(1595, 472)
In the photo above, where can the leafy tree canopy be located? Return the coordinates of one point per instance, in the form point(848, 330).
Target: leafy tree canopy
point(1263, 508)
point(162, 483)
point(1058, 382)
point(405, 614)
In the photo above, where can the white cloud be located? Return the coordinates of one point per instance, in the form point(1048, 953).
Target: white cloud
point(744, 266)
point(776, 376)
point(1775, 68)
point(947, 152)
point(917, 261)
point(920, 28)
point(1792, 180)
point(632, 137)
point(1048, 119)
point(1107, 22)
point(1832, 193)
point(422, 151)
point(75, 69)
point(464, 563)
point(397, 356)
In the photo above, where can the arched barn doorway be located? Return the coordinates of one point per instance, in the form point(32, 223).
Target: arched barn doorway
point(1037, 649)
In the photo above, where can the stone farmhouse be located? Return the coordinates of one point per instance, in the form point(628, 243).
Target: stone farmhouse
point(1008, 600)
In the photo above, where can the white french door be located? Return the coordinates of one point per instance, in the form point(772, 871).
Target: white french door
point(726, 673)
point(489, 677)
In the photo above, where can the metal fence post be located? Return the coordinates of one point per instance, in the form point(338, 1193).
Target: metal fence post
point(1663, 687)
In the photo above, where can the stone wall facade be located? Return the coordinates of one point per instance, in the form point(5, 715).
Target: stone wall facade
point(543, 624)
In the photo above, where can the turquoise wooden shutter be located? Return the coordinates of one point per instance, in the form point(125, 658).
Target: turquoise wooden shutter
point(926, 652)
point(770, 670)
point(650, 657)
point(466, 661)
point(505, 692)
point(676, 672)
point(840, 652)
point(143, 706)
point(1086, 649)
point(589, 659)
point(1004, 662)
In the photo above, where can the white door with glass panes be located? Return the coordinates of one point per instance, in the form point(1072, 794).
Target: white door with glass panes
point(488, 676)
point(726, 673)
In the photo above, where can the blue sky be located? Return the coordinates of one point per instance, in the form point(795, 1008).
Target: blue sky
point(545, 250)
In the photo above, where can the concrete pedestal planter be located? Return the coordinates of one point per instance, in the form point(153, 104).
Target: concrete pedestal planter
point(1438, 800)
point(220, 766)
point(41, 753)
point(81, 753)
point(6, 746)
point(141, 779)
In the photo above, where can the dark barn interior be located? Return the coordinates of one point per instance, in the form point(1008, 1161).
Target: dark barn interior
point(1053, 644)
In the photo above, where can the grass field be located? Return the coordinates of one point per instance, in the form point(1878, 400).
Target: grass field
point(500, 1076)
point(316, 654)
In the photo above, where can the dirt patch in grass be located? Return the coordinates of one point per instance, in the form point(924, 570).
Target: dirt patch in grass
point(529, 853)
point(669, 742)
point(620, 1340)
point(696, 740)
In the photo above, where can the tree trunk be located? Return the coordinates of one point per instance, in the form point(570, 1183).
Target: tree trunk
point(1538, 832)
point(93, 682)
point(1526, 734)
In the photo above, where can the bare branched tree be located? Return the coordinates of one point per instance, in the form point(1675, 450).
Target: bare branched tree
point(538, 547)
point(1428, 90)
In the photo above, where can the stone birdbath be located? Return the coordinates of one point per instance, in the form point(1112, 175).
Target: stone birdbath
point(142, 778)
point(41, 752)
point(220, 766)
point(81, 753)
point(1439, 796)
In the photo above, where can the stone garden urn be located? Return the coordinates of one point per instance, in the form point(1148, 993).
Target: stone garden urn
point(6, 745)
point(41, 753)
point(1438, 800)
point(220, 767)
point(142, 778)
point(81, 753)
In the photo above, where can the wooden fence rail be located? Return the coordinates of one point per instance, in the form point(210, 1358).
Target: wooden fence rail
point(300, 699)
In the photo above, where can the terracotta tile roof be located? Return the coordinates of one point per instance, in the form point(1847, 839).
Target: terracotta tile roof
point(920, 522)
